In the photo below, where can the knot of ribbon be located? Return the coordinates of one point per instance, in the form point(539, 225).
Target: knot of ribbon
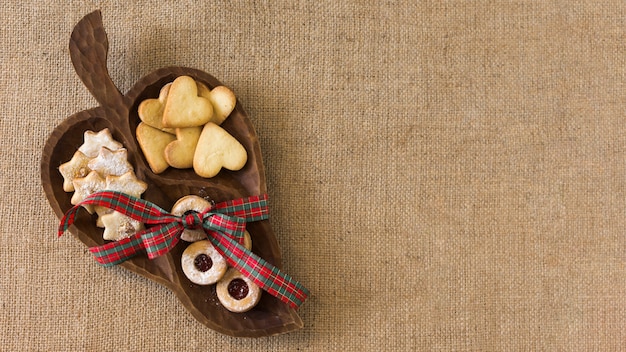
point(193, 220)
point(224, 223)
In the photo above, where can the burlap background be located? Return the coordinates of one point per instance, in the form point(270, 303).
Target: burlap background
point(444, 175)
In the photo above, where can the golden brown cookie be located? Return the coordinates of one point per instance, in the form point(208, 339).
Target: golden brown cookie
point(85, 186)
point(153, 142)
point(184, 108)
point(94, 141)
point(179, 153)
point(223, 100)
point(217, 149)
point(127, 183)
point(151, 110)
point(75, 168)
point(110, 162)
point(118, 226)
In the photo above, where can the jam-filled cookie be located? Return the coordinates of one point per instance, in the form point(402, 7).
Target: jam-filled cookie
point(202, 264)
point(237, 293)
point(189, 203)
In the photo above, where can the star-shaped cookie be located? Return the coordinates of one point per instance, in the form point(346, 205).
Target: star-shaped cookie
point(100, 210)
point(85, 186)
point(75, 168)
point(110, 162)
point(127, 183)
point(94, 141)
point(118, 226)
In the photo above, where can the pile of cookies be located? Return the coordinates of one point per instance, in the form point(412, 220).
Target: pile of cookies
point(181, 129)
point(203, 265)
point(101, 163)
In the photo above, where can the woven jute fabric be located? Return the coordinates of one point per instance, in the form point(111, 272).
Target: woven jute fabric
point(443, 175)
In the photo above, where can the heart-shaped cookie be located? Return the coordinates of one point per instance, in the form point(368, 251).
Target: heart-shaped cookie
point(184, 108)
point(118, 113)
point(223, 100)
point(151, 110)
point(179, 153)
point(153, 143)
point(217, 149)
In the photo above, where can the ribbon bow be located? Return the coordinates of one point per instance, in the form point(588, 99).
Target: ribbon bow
point(224, 223)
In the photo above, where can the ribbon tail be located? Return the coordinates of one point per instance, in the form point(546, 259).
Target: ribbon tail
point(159, 241)
point(155, 241)
point(135, 208)
point(114, 253)
point(265, 275)
point(67, 220)
point(253, 208)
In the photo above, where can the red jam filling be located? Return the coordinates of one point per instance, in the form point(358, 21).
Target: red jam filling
point(203, 262)
point(238, 289)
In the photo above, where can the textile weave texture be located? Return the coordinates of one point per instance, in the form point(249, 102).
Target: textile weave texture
point(443, 175)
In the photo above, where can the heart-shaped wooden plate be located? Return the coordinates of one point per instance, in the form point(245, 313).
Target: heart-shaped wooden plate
point(118, 113)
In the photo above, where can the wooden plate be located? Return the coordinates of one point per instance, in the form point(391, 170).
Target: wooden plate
point(88, 50)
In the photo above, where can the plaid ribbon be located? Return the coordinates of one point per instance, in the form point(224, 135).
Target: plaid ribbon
point(224, 224)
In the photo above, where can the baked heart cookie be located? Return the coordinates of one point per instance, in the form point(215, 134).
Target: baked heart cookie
point(180, 153)
point(150, 111)
point(181, 105)
point(184, 108)
point(217, 149)
point(223, 100)
point(153, 142)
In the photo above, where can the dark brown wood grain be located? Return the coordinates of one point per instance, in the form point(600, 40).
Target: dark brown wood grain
point(88, 51)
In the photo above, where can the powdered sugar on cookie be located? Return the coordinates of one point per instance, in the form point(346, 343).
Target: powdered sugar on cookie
point(94, 141)
point(75, 168)
point(110, 162)
point(99, 164)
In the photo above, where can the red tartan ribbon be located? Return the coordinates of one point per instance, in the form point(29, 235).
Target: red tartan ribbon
point(224, 223)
